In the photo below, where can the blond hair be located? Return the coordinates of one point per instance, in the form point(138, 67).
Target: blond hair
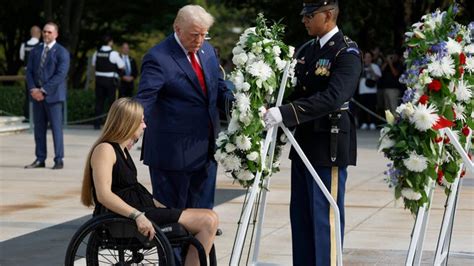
point(193, 14)
point(123, 120)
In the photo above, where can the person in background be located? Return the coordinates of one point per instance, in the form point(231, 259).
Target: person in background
point(109, 67)
point(25, 49)
point(368, 92)
point(328, 72)
point(389, 82)
point(110, 182)
point(46, 73)
point(127, 84)
point(181, 89)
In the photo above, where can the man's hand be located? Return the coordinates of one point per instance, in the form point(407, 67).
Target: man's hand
point(37, 94)
point(272, 117)
point(127, 78)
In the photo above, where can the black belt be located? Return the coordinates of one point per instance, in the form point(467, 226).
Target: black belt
point(334, 119)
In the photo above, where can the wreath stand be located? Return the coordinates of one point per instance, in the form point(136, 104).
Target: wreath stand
point(419, 229)
point(255, 203)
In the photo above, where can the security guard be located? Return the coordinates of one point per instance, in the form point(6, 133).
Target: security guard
point(109, 66)
point(328, 72)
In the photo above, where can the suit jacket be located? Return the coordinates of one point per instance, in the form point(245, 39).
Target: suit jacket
point(53, 77)
point(327, 77)
point(133, 66)
point(182, 122)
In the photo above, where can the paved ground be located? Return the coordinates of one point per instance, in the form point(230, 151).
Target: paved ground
point(40, 209)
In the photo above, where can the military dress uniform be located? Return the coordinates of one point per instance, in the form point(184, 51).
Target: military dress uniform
point(324, 128)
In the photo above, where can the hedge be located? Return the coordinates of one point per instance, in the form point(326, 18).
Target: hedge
point(80, 103)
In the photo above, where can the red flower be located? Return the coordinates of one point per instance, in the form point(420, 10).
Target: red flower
point(440, 176)
point(465, 130)
point(463, 173)
point(462, 59)
point(435, 85)
point(461, 70)
point(424, 99)
point(459, 38)
point(438, 139)
point(442, 123)
point(446, 140)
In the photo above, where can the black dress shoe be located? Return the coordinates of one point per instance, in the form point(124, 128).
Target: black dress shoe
point(58, 165)
point(35, 164)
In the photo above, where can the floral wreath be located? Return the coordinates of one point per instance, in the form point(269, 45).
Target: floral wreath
point(439, 77)
point(260, 58)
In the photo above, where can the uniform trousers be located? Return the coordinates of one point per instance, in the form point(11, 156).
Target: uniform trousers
point(105, 90)
point(312, 219)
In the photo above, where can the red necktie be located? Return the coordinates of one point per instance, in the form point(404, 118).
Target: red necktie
point(198, 70)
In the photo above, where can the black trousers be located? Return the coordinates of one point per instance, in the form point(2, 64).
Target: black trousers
point(126, 89)
point(105, 94)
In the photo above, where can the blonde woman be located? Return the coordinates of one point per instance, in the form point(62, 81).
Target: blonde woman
point(110, 181)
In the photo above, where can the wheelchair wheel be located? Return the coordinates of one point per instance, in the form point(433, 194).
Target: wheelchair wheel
point(115, 240)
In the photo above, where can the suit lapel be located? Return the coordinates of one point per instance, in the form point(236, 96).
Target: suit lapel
point(183, 62)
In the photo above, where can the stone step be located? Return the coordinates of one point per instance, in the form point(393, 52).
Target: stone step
point(12, 124)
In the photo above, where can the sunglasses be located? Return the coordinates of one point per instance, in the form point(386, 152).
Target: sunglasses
point(311, 15)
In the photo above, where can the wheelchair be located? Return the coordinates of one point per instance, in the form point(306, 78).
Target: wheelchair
point(110, 239)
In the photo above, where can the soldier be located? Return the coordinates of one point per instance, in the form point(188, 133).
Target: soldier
point(328, 72)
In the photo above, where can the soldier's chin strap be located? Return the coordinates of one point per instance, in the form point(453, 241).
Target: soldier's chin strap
point(334, 118)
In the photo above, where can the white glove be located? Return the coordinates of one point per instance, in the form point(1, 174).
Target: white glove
point(272, 117)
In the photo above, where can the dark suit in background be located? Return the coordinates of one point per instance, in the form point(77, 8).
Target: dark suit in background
point(46, 78)
point(127, 82)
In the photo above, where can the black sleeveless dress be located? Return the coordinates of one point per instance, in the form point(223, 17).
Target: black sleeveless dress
point(126, 186)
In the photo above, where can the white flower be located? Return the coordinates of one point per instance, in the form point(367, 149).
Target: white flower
point(242, 102)
point(245, 86)
point(261, 111)
point(245, 175)
point(291, 51)
point(222, 137)
point(257, 48)
point(405, 110)
point(252, 58)
point(276, 50)
point(441, 67)
point(240, 59)
point(280, 63)
point(469, 67)
point(459, 112)
point(418, 34)
point(220, 156)
point(283, 138)
point(238, 79)
point(425, 78)
point(451, 86)
point(453, 46)
point(410, 194)
point(253, 156)
point(424, 117)
point(231, 163)
point(260, 70)
point(245, 118)
point(463, 92)
point(237, 50)
point(469, 49)
point(276, 164)
point(234, 123)
point(229, 147)
point(415, 162)
point(384, 141)
point(243, 142)
point(389, 117)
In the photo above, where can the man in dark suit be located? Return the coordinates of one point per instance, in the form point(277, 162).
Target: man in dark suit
point(181, 89)
point(46, 74)
point(328, 72)
point(127, 84)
